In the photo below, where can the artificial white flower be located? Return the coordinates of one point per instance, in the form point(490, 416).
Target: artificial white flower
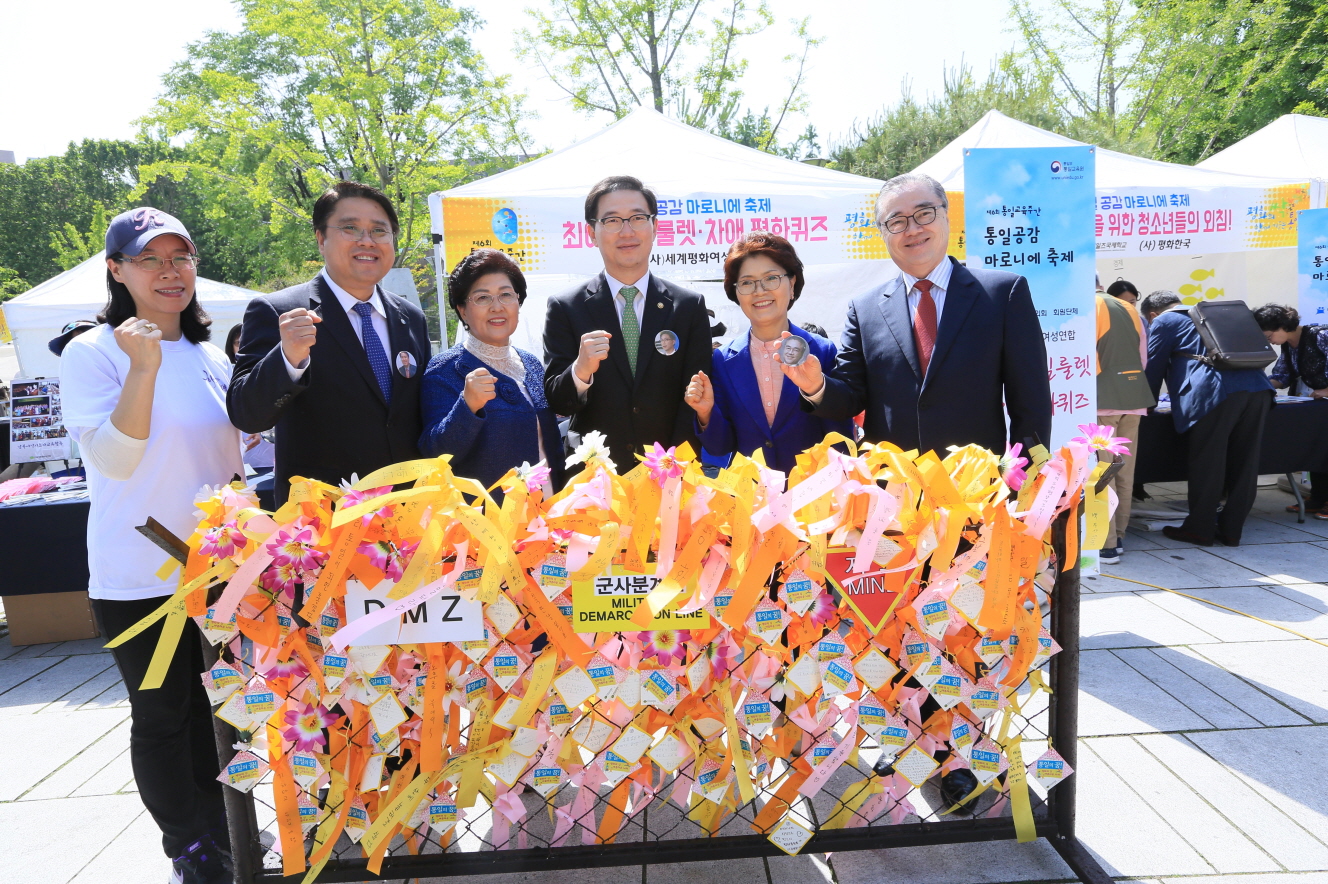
point(593, 448)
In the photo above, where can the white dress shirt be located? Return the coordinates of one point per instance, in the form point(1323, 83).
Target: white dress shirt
point(348, 301)
point(619, 302)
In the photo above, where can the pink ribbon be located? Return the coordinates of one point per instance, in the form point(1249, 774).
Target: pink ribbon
point(668, 526)
point(822, 772)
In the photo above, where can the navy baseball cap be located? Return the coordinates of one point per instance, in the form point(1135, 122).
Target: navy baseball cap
point(131, 231)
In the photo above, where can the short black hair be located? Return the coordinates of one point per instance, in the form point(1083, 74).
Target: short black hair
point(232, 341)
point(617, 182)
point(1158, 301)
point(1277, 317)
point(344, 190)
point(1121, 285)
point(194, 321)
point(479, 263)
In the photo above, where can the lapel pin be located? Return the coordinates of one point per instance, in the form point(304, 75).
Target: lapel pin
point(659, 304)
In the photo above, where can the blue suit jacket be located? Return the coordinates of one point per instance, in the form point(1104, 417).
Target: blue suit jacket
point(1195, 388)
point(989, 349)
point(738, 421)
point(485, 446)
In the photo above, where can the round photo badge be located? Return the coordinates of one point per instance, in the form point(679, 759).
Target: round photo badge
point(793, 351)
point(666, 342)
point(405, 364)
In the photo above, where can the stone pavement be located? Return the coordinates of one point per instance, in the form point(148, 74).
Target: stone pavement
point(1197, 762)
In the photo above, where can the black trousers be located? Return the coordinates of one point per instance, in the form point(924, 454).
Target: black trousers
point(171, 745)
point(1318, 489)
point(1224, 459)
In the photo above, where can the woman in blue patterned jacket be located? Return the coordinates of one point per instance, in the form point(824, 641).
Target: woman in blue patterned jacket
point(483, 400)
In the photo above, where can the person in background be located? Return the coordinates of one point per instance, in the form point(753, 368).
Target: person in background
point(145, 396)
point(258, 452)
point(1122, 397)
point(1125, 291)
point(71, 330)
point(316, 360)
point(750, 404)
point(483, 401)
point(815, 329)
point(601, 363)
point(1222, 411)
point(1302, 368)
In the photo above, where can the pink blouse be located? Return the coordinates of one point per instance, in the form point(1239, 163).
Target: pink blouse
point(769, 376)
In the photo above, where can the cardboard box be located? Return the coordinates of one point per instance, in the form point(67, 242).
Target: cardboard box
point(49, 617)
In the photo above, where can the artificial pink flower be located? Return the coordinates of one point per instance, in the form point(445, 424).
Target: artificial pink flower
point(352, 498)
point(296, 547)
point(535, 477)
point(292, 668)
point(1012, 466)
point(662, 463)
point(304, 726)
point(388, 557)
point(1099, 438)
point(722, 654)
point(279, 579)
point(665, 645)
point(223, 541)
point(823, 608)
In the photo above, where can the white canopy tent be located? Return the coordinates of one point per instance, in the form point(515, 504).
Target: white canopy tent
point(1128, 187)
point(37, 315)
point(535, 212)
point(1294, 145)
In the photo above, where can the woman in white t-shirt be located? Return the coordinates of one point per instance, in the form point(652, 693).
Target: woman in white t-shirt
point(145, 398)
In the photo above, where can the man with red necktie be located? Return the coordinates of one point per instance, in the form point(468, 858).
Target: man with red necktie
point(939, 354)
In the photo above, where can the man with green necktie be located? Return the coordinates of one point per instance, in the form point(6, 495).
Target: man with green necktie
point(602, 364)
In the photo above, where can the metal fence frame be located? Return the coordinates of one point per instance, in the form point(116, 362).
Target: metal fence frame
point(1054, 818)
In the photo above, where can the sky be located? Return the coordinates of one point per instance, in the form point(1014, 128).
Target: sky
point(89, 76)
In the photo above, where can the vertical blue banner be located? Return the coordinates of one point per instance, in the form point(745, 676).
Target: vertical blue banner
point(1312, 266)
point(1030, 211)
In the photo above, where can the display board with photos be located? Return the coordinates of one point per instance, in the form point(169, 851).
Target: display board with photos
point(36, 427)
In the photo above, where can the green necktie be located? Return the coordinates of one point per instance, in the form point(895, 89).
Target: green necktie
point(631, 329)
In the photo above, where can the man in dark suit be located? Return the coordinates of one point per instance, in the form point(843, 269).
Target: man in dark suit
point(317, 360)
point(636, 399)
point(937, 355)
point(1222, 414)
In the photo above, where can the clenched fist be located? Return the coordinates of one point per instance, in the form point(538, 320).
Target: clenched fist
point(700, 395)
point(298, 334)
point(481, 388)
point(594, 350)
point(141, 342)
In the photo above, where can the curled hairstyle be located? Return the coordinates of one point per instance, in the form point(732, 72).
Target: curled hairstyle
point(194, 321)
point(617, 182)
point(344, 190)
point(1277, 317)
point(1121, 285)
point(905, 181)
point(772, 246)
point(479, 263)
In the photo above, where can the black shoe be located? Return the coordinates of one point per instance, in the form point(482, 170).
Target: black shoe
point(955, 787)
point(1228, 541)
point(201, 863)
point(1184, 536)
point(1108, 555)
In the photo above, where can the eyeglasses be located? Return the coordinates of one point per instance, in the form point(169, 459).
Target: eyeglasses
point(767, 284)
point(504, 299)
point(356, 233)
point(924, 216)
point(615, 224)
point(153, 263)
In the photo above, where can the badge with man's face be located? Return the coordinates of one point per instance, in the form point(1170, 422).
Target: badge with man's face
point(793, 351)
point(666, 342)
point(406, 364)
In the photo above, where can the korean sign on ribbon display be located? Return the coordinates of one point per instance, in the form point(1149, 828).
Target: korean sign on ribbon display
point(1312, 266)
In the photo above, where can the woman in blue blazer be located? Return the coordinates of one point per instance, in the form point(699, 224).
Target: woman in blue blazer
point(750, 404)
point(483, 401)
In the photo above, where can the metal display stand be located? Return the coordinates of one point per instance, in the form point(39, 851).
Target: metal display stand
point(1054, 818)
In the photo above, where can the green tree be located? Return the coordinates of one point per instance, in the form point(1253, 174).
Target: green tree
point(11, 284)
point(901, 138)
point(72, 247)
point(308, 92)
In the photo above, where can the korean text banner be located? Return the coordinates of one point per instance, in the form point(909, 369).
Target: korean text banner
point(1312, 266)
point(693, 233)
point(37, 429)
point(1030, 211)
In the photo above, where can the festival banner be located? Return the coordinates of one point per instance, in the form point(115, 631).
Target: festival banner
point(1030, 211)
point(37, 429)
point(692, 237)
point(1312, 266)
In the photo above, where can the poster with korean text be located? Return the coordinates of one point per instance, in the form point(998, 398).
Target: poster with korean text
point(36, 428)
point(1030, 211)
point(1312, 266)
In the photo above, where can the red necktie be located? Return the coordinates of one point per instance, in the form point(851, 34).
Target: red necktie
point(924, 323)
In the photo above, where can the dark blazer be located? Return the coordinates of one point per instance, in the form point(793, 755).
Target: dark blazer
point(738, 422)
point(1195, 388)
point(333, 421)
point(485, 446)
point(989, 348)
point(632, 412)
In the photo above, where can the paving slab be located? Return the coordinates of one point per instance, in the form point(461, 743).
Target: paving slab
point(1114, 698)
point(1265, 602)
point(65, 677)
point(48, 853)
point(615, 875)
point(17, 670)
point(808, 868)
point(1249, 698)
point(1259, 819)
point(1197, 696)
point(77, 771)
point(735, 870)
point(1280, 562)
point(1149, 566)
point(1120, 620)
point(1289, 671)
point(69, 649)
point(134, 856)
point(1280, 878)
point(1219, 842)
point(1203, 564)
point(1259, 530)
point(994, 861)
point(62, 735)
